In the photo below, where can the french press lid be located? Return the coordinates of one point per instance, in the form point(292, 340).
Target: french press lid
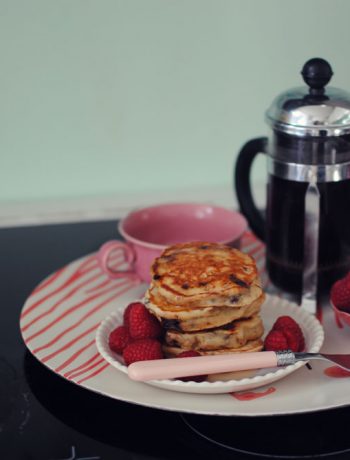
point(314, 111)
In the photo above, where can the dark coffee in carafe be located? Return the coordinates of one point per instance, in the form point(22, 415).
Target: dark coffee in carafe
point(285, 220)
point(307, 221)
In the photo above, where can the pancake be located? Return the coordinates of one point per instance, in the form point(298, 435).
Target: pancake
point(203, 318)
point(202, 274)
point(250, 346)
point(168, 310)
point(237, 300)
point(236, 335)
point(207, 297)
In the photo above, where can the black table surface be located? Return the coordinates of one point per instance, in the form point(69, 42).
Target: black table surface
point(43, 416)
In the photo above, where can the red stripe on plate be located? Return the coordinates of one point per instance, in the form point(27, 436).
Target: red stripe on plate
point(99, 286)
point(72, 371)
point(95, 263)
point(80, 321)
point(105, 282)
point(90, 265)
point(93, 374)
point(71, 310)
point(249, 235)
point(48, 281)
point(76, 275)
point(76, 374)
point(69, 344)
point(75, 340)
point(59, 302)
point(257, 248)
point(74, 356)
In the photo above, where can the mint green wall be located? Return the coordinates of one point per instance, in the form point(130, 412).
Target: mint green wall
point(109, 96)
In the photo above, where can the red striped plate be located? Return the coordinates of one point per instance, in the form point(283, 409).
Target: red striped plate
point(59, 320)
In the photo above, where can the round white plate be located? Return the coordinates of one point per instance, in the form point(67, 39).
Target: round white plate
point(60, 318)
point(272, 308)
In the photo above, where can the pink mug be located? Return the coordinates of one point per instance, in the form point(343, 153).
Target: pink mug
point(148, 231)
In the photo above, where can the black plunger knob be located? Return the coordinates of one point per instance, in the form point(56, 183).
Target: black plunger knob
point(316, 73)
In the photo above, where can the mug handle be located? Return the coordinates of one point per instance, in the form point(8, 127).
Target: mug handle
point(129, 257)
point(242, 184)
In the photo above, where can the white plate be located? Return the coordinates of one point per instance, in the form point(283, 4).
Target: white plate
point(60, 318)
point(272, 308)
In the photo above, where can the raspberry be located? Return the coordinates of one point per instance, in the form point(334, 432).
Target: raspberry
point(127, 312)
point(275, 341)
point(292, 339)
point(142, 350)
point(340, 293)
point(196, 378)
point(142, 324)
point(118, 339)
point(283, 322)
point(286, 322)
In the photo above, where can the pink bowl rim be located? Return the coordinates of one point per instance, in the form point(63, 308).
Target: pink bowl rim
point(145, 244)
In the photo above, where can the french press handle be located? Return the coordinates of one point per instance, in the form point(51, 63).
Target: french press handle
point(243, 184)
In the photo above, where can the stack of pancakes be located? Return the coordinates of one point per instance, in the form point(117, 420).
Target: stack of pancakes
point(207, 297)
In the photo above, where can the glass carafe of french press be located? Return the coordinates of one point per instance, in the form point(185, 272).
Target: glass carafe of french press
point(306, 226)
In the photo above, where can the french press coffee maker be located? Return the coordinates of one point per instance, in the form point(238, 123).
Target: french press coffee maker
point(306, 226)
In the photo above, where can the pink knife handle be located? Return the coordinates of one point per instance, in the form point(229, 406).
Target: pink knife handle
point(199, 365)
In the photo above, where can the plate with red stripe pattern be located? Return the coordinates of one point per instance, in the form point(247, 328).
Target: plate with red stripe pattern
point(60, 318)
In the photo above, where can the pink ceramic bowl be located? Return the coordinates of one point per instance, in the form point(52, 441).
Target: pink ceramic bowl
point(148, 231)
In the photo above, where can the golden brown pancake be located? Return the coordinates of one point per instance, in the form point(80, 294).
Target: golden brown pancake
point(196, 319)
point(250, 346)
point(190, 273)
point(208, 298)
point(235, 336)
point(206, 304)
